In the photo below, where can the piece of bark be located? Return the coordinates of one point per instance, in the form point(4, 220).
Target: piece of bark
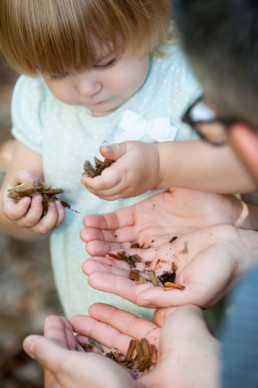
point(25, 189)
point(167, 277)
point(36, 187)
point(146, 355)
point(99, 167)
point(169, 286)
point(153, 278)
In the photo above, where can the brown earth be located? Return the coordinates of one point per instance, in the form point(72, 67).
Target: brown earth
point(27, 291)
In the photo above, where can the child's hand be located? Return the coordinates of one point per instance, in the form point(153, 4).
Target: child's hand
point(135, 171)
point(27, 213)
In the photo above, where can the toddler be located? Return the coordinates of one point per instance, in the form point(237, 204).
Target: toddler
point(93, 70)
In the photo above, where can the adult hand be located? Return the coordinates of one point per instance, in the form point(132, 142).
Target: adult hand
point(67, 367)
point(208, 262)
point(157, 219)
point(188, 353)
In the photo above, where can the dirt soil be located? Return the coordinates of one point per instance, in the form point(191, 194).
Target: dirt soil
point(27, 291)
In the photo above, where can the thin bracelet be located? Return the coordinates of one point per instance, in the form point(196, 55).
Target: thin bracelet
point(243, 215)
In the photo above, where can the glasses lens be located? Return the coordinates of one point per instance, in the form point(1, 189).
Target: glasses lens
point(201, 112)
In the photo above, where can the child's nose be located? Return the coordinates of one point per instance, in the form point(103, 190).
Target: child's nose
point(87, 86)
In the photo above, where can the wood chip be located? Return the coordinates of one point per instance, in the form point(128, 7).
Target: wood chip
point(134, 274)
point(153, 278)
point(141, 281)
point(36, 187)
point(185, 250)
point(135, 245)
point(114, 256)
point(169, 285)
point(85, 346)
point(130, 350)
point(96, 343)
point(167, 277)
point(153, 354)
point(99, 167)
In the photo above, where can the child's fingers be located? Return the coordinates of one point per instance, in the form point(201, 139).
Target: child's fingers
point(108, 197)
point(48, 222)
point(34, 213)
point(60, 213)
point(120, 189)
point(21, 176)
point(114, 151)
point(16, 210)
point(107, 180)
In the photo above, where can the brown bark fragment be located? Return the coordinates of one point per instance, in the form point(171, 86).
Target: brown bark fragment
point(130, 350)
point(153, 278)
point(169, 285)
point(99, 167)
point(36, 187)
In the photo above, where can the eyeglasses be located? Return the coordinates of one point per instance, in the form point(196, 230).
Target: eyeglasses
point(202, 119)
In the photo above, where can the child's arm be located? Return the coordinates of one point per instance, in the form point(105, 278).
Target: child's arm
point(192, 164)
point(23, 219)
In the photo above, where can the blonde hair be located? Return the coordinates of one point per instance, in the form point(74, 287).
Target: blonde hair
point(54, 36)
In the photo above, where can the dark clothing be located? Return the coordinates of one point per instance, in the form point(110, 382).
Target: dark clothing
point(240, 336)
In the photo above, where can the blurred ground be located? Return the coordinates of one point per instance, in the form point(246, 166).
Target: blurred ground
point(27, 291)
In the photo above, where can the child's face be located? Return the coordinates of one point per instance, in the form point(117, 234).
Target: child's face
point(103, 87)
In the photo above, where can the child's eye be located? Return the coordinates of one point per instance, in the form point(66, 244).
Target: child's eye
point(106, 65)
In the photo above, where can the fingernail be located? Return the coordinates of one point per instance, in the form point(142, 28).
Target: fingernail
point(38, 198)
point(58, 204)
point(26, 200)
point(107, 148)
point(144, 303)
point(30, 341)
point(51, 204)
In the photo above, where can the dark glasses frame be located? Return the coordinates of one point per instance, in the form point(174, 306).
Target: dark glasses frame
point(186, 118)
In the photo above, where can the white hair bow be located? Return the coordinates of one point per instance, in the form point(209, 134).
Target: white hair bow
point(136, 126)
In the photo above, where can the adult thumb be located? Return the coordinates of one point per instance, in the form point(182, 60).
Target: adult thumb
point(113, 151)
point(45, 351)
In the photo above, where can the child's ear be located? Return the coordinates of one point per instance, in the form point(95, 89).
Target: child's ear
point(244, 140)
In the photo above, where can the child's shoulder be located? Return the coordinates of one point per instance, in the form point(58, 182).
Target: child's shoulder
point(30, 88)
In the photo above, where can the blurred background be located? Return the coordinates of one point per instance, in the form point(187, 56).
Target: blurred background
point(27, 291)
